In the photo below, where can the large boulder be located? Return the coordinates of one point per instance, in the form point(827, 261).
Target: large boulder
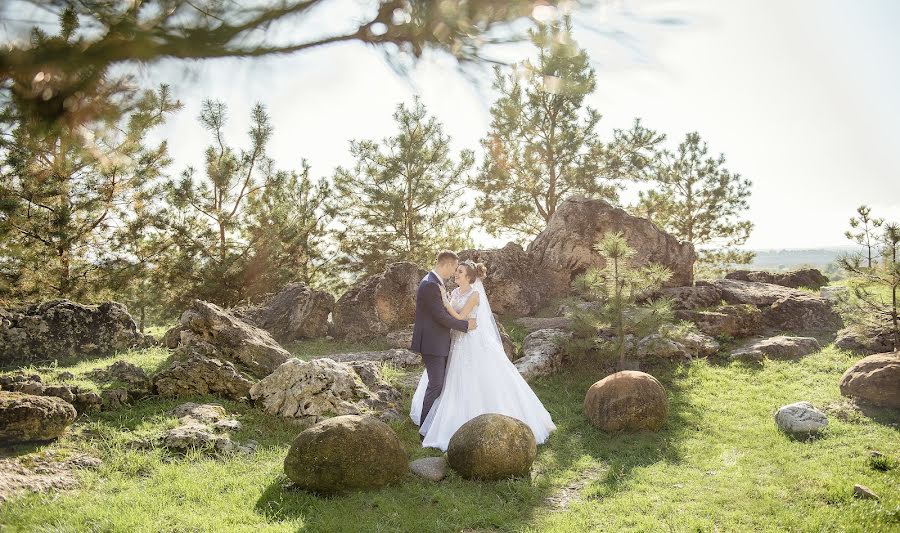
point(565, 248)
point(875, 380)
point(309, 391)
point(686, 346)
point(784, 309)
point(28, 418)
point(200, 375)
point(380, 304)
point(692, 297)
point(800, 420)
point(514, 285)
point(778, 347)
point(809, 278)
point(542, 353)
point(60, 329)
point(627, 401)
point(345, 453)
point(865, 340)
point(491, 447)
point(296, 312)
point(212, 331)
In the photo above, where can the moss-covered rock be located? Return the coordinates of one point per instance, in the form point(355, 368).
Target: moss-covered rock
point(344, 453)
point(627, 401)
point(27, 418)
point(491, 447)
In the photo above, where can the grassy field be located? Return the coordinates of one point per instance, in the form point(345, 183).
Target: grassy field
point(718, 465)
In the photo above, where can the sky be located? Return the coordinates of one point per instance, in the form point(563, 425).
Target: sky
point(800, 96)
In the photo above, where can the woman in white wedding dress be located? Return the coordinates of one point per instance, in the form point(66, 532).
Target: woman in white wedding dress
point(480, 378)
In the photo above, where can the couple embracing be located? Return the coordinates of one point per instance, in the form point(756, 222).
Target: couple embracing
point(467, 373)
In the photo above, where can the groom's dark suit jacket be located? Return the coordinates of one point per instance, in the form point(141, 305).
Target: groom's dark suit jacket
point(431, 333)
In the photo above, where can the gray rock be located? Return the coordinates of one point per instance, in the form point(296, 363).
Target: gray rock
point(213, 329)
point(65, 329)
point(310, 391)
point(542, 353)
point(733, 321)
point(379, 304)
point(114, 399)
point(130, 374)
point(296, 312)
point(201, 375)
point(779, 347)
point(809, 278)
point(692, 297)
point(430, 468)
point(398, 357)
point(204, 427)
point(864, 492)
point(865, 340)
point(800, 419)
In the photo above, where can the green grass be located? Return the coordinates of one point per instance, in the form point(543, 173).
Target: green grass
point(718, 465)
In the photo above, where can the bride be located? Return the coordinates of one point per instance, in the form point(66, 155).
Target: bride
point(480, 378)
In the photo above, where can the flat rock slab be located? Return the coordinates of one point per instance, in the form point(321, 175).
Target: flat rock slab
point(779, 347)
point(42, 473)
point(398, 357)
point(800, 419)
point(430, 468)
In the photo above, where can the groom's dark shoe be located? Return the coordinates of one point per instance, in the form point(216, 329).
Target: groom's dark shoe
point(421, 438)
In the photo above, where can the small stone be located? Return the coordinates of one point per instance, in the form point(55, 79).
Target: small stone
point(800, 419)
point(430, 468)
point(65, 376)
point(114, 398)
point(864, 492)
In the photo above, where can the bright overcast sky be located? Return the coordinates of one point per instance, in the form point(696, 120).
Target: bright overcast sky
point(801, 96)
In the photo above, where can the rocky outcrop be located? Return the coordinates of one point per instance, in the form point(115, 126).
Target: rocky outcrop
point(123, 372)
point(491, 447)
point(296, 312)
point(565, 248)
point(532, 324)
point(30, 418)
point(809, 278)
point(82, 399)
point(309, 391)
point(686, 347)
point(800, 420)
point(627, 401)
point(345, 453)
point(874, 380)
point(778, 347)
point(733, 321)
point(691, 298)
point(42, 473)
point(864, 340)
point(783, 309)
point(200, 375)
point(513, 284)
point(380, 304)
point(542, 353)
point(211, 331)
point(61, 329)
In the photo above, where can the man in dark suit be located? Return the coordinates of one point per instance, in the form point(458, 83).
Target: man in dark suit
point(431, 332)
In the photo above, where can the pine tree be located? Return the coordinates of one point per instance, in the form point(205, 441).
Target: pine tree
point(68, 191)
point(400, 201)
point(867, 236)
point(875, 303)
point(617, 288)
point(543, 143)
point(699, 201)
point(208, 212)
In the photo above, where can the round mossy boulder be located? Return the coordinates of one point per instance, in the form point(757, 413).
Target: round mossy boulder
point(344, 453)
point(627, 401)
point(491, 447)
point(29, 418)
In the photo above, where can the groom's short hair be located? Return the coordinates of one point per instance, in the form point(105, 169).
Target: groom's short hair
point(445, 256)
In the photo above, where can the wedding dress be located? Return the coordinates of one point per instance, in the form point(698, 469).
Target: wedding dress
point(480, 379)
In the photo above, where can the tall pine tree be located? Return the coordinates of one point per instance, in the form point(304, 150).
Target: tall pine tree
point(698, 200)
point(543, 143)
point(864, 232)
point(401, 200)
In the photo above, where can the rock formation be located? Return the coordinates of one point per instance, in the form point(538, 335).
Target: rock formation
point(295, 312)
point(380, 304)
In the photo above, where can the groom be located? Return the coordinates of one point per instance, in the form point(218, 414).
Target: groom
point(431, 332)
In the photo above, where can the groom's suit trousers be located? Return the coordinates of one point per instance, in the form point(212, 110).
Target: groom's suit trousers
point(436, 367)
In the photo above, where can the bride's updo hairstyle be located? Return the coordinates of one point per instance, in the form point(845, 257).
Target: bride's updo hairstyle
point(474, 270)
